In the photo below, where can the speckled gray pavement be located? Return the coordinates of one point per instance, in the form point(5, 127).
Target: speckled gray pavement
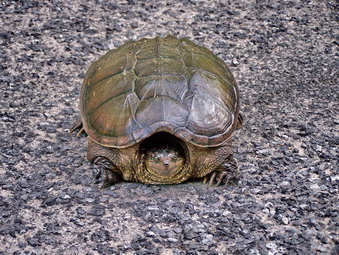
point(284, 57)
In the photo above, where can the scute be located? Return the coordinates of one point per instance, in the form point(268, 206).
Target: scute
point(161, 84)
point(168, 111)
point(208, 117)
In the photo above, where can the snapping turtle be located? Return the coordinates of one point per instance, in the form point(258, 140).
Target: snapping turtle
point(160, 111)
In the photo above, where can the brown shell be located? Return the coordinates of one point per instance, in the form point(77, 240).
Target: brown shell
point(161, 84)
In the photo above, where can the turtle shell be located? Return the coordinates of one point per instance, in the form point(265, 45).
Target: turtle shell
point(160, 84)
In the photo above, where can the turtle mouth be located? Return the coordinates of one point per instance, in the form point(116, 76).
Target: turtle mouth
point(164, 160)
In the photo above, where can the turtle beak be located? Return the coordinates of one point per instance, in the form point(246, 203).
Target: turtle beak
point(166, 164)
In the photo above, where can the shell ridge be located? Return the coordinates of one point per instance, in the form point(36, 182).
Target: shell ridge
point(161, 75)
point(164, 58)
point(158, 95)
point(133, 111)
point(221, 104)
point(189, 108)
point(100, 83)
point(175, 91)
point(170, 90)
point(162, 103)
point(107, 101)
point(210, 73)
point(149, 86)
point(126, 107)
point(111, 76)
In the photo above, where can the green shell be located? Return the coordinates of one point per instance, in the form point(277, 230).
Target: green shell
point(160, 84)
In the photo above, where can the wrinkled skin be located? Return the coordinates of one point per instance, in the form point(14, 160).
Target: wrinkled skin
point(162, 159)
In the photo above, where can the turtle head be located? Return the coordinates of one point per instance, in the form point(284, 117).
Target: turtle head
point(164, 159)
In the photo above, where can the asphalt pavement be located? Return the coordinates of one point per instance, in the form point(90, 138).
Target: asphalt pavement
point(284, 56)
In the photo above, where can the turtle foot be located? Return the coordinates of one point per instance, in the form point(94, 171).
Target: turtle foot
point(107, 173)
point(227, 173)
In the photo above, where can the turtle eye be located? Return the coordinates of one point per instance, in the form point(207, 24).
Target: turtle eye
point(174, 158)
point(156, 160)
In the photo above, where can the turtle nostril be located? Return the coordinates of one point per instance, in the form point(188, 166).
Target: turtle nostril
point(166, 163)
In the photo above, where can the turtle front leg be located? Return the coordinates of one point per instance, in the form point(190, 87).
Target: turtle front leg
point(107, 174)
point(77, 125)
point(226, 172)
point(108, 171)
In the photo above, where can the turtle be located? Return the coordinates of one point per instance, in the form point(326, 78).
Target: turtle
point(160, 111)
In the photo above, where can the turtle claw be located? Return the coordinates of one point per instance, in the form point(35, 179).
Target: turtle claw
point(77, 125)
point(218, 178)
point(209, 178)
point(205, 180)
point(215, 178)
point(212, 178)
point(228, 172)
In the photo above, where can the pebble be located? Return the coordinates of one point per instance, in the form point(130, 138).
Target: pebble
point(285, 220)
point(173, 240)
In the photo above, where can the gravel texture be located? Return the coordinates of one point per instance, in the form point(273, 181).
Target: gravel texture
point(284, 57)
